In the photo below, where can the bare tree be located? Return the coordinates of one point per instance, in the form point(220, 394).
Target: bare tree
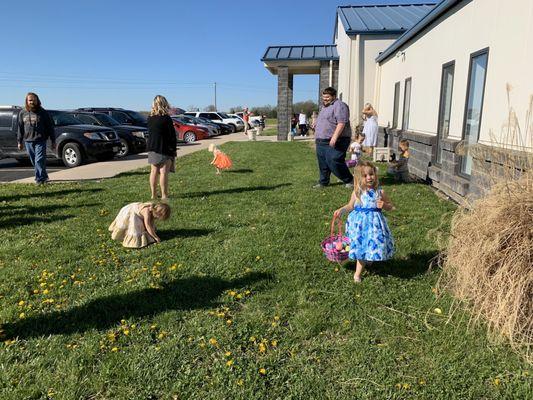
point(210, 107)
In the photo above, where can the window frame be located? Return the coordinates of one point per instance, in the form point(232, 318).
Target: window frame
point(472, 56)
point(396, 104)
point(405, 127)
point(439, 118)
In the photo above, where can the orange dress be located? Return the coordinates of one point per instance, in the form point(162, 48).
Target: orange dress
point(222, 161)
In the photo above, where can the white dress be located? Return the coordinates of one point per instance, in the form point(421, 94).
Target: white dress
point(128, 227)
point(370, 130)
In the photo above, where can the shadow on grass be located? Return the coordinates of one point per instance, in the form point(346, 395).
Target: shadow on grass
point(233, 190)
point(17, 216)
point(106, 312)
point(167, 234)
point(240, 171)
point(404, 268)
point(46, 193)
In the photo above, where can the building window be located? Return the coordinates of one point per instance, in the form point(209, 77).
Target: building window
point(406, 104)
point(396, 105)
point(474, 104)
point(445, 106)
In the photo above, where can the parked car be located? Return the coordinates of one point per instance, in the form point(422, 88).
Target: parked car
point(75, 141)
point(132, 138)
point(211, 127)
point(124, 117)
point(252, 117)
point(224, 129)
point(235, 123)
point(187, 132)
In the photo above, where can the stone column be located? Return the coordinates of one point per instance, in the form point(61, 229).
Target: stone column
point(285, 84)
point(323, 81)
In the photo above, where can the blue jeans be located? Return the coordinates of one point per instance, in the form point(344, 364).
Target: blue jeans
point(332, 160)
point(37, 152)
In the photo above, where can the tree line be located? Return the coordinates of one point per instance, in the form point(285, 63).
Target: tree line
point(270, 111)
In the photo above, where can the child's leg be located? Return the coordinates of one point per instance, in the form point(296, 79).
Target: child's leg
point(359, 267)
point(154, 171)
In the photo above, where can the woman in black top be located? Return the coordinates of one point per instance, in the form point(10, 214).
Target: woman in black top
point(161, 146)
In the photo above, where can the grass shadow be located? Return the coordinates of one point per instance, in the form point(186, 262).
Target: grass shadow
point(240, 171)
point(46, 193)
point(103, 313)
point(233, 190)
point(413, 265)
point(167, 234)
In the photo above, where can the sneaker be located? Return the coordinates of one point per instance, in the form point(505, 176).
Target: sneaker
point(319, 186)
point(349, 185)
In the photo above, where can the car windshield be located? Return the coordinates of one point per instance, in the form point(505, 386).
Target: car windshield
point(224, 115)
point(106, 120)
point(204, 120)
point(137, 117)
point(62, 118)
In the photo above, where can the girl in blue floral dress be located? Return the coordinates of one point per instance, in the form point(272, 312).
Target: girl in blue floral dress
point(370, 236)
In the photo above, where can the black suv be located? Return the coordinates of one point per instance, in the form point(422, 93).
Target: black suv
point(124, 117)
point(132, 138)
point(75, 142)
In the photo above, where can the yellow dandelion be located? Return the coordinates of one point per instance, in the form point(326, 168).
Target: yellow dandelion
point(239, 296)
point(437, 311)
point(161, 335)
point(227, 353)
point(213, 342)
point(406, 386)
point(153, 327)
point(114, 349)
point(276, 317)
point(248, 293)
point(22, 315)
point(252, 339)
point(46, 291)
point(126, 332)
point(229, 322)
point(274, 343)
point(262, 371)
point(240, 382)
point(21, 303)
point(257, 258)
point(35, 291)
point(274, 324)
point(229, 363)
point(496, 382)
point(262, 348)
point(232, 293)
point(422, 382)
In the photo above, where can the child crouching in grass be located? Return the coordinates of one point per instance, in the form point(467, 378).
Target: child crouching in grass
point(367, 228)
point(134, 225)
point(400, 168)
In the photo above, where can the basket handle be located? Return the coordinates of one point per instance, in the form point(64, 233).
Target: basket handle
point(339, 225)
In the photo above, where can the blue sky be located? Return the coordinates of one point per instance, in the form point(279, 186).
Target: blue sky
point(121, 53)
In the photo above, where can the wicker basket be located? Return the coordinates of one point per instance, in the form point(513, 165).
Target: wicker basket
point(329, 244)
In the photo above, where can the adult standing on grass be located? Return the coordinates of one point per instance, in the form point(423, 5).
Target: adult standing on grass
point(35, 127)
point(302, 123)
point(370, 129)
point(332, 138)
point(161, 146)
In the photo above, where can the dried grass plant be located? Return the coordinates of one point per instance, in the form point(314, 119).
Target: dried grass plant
point(488, 261)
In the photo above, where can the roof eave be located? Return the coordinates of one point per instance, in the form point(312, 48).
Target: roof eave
point(439, 10)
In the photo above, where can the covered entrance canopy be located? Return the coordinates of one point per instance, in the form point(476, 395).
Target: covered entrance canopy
point(287, 61)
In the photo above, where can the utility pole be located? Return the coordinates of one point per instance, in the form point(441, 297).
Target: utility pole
point(216, 109)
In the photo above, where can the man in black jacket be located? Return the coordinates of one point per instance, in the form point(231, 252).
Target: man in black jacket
point(34, 129)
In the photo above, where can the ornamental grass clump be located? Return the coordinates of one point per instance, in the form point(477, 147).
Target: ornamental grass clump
point(488, 262)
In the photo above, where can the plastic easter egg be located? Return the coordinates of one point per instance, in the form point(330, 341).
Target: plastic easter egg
point(347, 248)
point(339, 246)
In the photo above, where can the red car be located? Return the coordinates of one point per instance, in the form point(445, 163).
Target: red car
point(189, 133)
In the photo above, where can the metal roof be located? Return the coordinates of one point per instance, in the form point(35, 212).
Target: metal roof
point(297, 53)
point(378, 17)
point(440, 9)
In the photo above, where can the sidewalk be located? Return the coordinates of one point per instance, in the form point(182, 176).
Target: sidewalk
point(109, 169)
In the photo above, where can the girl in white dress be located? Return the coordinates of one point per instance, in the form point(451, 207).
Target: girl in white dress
point(134, 225)
point(370, 129)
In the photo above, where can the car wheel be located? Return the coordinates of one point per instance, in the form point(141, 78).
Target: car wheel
point(233, 128)
point(124, 149)
point(189, 137)
point(71, 155)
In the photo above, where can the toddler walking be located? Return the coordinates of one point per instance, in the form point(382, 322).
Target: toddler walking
point(134, 225)
point(366, 226)
point(220, 160)
point(355, 149)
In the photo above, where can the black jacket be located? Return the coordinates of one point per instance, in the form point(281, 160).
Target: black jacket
point(162, 136)
point(34, 126)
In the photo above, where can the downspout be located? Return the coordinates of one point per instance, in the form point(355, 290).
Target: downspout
point(330, 73)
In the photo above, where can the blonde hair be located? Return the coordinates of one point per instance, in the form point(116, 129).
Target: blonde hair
point(212, 147)
point(161, 211)
point(359, 181)
point(368, 109)
point(160, 106)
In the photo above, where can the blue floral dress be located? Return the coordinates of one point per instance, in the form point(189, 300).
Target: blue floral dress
point(370, 236)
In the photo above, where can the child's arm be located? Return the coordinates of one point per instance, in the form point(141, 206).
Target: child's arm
point(384, 202)
point(213, 161)
point(149, 223)
point(347, 208)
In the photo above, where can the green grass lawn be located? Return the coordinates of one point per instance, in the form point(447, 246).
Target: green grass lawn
point(238, 300)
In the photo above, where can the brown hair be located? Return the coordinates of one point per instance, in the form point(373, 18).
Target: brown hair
point(161, 211)
point(359, 182)
point(26, 101)
point(405, 142)
point(331, 91)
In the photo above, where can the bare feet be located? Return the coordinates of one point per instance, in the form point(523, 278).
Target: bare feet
point(356, 279)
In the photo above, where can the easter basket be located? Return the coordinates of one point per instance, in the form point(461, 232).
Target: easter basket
point(330, 245)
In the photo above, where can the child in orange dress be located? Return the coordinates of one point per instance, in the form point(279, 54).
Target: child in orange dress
point(220, 160)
